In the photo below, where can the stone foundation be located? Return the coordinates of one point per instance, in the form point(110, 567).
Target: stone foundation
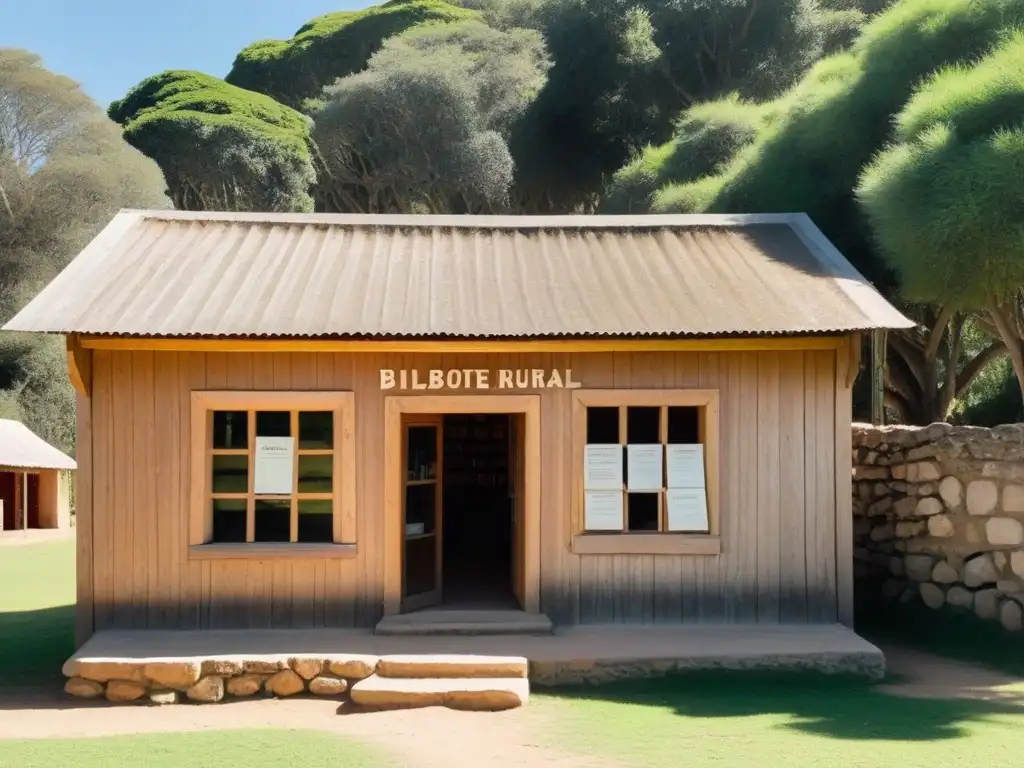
point(173, 681)
point(939, 517)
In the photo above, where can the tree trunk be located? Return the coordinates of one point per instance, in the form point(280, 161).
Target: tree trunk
point(1007, 321)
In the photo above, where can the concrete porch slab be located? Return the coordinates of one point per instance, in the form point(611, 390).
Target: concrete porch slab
point(465, 622)
point(573, 655)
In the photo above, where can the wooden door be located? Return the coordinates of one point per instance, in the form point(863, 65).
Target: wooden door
point(422, 510)
point(516, 477)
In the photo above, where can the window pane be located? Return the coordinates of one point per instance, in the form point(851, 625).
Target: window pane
point(230, 429)
point(603, 426)
point(684, 425)
point(642, 511)
point(422, 451)
point(316, 521)
point(420, 503)
point(315, 474)
point(273, 520)
point(230, 474)
point(228, 521)
point(642, 425)
point(316, 429)
point(273, 424)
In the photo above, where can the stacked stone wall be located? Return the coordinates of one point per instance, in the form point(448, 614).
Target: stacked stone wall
point(939, 517)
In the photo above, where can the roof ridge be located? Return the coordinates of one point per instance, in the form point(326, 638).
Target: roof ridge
point(584, 221)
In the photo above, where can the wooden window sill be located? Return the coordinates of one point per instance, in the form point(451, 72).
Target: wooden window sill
point(646, 544)
point(271, 551)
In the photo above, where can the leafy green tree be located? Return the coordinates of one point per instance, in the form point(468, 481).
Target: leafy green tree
point(829, 127)
point(331, 46)
point(508, 14)
point(220, 147)
point(64, 172)
point(707, 137)
point(624, 69)
point(424, 128)
point(945, 200)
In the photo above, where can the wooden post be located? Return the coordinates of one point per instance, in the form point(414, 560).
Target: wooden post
point(24, 501)
point(878, 349)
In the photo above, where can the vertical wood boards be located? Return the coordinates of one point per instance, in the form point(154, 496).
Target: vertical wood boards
point(122, 508)
point(819, 455)
point(84, 565)
point(103, 490)
point(792, 508)
point(782, 437)
point(844, 489)
point(768, 498)
point(145, 562)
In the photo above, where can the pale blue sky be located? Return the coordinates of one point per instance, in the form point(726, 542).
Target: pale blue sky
point(110, 45)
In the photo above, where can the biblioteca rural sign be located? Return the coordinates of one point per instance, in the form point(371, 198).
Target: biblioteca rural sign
point(477, 378)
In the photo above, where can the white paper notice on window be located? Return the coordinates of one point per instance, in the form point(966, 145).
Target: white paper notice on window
point(685, 465)
point(644, 467)
point(687, 509)
point(274, 463)
point(603, 468)
point(603, 511)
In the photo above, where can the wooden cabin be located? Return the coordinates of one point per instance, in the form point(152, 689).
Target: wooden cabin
point(321, 420)
point(35, 480)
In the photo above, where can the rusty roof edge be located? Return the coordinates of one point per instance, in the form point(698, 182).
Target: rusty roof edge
point(856, 287)
point(474, 222)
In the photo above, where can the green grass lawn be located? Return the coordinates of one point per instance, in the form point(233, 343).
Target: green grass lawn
point(37, 614)
point(748, 720)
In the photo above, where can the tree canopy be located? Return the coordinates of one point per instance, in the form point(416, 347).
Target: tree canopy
point(64, 172)
point(624, 106)
point(945, 200)
point(331, 46)
point(424, 128)
point(220, 147)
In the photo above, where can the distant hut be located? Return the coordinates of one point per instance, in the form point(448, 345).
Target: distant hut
point(34, 480)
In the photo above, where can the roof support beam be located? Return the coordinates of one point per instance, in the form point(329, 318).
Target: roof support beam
point(79, 365)
point(462, 346)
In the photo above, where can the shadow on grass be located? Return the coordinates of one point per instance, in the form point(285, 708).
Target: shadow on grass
point(954, 634)
point(818, 704)
point(34, 645)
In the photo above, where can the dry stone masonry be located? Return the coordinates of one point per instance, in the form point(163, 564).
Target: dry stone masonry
point(939, 517)
point(471, 682)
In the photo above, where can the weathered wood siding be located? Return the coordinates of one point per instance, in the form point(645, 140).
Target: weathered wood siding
point(777, 476)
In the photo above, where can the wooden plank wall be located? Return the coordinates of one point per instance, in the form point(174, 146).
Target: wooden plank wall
point(778, 486)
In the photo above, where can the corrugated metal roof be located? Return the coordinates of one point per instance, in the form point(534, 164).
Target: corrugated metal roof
point(21, 448)
point(180, 273)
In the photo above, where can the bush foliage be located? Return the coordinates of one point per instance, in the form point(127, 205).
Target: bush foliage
point(220, 147)
point(329, 47)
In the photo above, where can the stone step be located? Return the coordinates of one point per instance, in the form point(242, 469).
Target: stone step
point(478, 694)
point(465, 622)
point(450, 666)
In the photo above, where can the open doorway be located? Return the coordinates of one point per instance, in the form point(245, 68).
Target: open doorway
point(462, 510)
point(478, 493)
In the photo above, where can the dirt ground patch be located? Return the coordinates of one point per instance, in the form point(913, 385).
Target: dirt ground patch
point(924, 675)
point(422, 738)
